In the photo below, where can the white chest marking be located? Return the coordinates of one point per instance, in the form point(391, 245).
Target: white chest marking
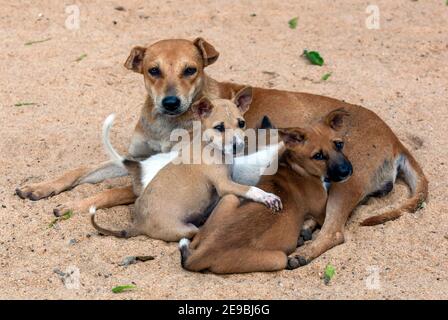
point(248, 169)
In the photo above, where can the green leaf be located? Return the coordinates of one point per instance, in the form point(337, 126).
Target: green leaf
point(52, 223)
point(293, 22)
point(20, 104)
point(421, 205)
point(81, 57)
point(314, 57)
point(119, 289)
point(329, 273)
point(326, 76)
point(65, 216)
point(36, 41)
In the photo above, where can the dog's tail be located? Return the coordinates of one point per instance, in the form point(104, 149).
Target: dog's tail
point(131, 232)
point(132, 166)
point(414, 177)
point(106, 140)
point(184, 248)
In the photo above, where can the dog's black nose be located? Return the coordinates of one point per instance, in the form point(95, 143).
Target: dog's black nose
point(340, 172)
point(345, 170)
point(171, 103)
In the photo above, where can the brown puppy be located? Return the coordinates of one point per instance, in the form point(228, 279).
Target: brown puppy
point(376, 153)
point(160, 215)
point(245, 237)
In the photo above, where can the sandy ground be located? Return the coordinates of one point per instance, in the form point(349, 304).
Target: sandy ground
point(399, 71)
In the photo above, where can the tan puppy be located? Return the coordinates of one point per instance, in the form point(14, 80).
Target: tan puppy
point(172, 204)
point(177, 67)
point(245, 237)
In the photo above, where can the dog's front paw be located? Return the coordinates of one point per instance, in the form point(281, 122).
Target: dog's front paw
point(63, 209)
point(273, 202)
point(295, 262)
point(35, 191)
point(269, 199)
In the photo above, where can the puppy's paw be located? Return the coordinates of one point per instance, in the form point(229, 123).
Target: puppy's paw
point(273, 202)
point(295, 262)
point(63, 209)
point(35, 191)
point(269, 199)
point(306, 234)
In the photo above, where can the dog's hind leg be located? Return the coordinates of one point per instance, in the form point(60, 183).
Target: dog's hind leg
point(338, 209)
point(71, 179)
point(249, 260)
point(414, 177)
point(232, 261)
point(106, 199)
point(169, 230)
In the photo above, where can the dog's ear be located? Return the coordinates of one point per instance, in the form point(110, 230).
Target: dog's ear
point(265, 123)
point(292, 136)
point(243, 99)
point(202, 108)
point(335, 119)
point(135, 59)
point(208, 52)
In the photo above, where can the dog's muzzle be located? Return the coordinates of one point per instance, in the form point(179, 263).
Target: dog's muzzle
point(171, 105)
point(340, 172)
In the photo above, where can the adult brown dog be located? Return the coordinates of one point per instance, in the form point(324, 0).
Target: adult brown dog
point(174, 77)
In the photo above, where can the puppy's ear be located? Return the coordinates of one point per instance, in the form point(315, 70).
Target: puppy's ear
point(265, 123)
point(243, 99)
point(208, 52)
point(135, 59)
point(292, 136)
point(202, 108)
point(335, 119)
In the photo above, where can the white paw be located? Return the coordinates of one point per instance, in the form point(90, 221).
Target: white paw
point(272, 202)
point(269, 199)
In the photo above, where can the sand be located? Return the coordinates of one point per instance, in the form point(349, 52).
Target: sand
point(399, 71)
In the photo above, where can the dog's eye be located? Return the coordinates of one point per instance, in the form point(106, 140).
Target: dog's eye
point(339, 145)
point(220, 127)
point(241, 123)
point(189, 71)
point(155, 72)
point(319, 156)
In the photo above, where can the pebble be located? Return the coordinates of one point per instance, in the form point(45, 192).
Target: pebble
point(128, 261)
point(134, 259)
